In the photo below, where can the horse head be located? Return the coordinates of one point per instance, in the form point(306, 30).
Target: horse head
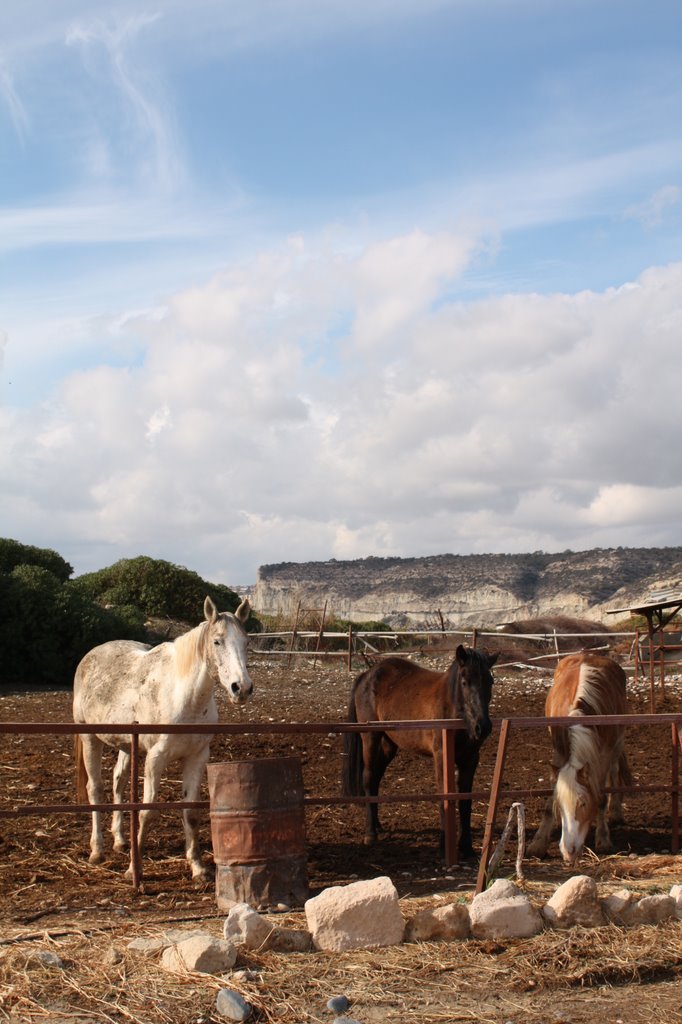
point(576, 802)
point(226, 643)
point(473, 682)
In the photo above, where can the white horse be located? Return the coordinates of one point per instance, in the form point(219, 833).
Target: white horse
point(124, 681)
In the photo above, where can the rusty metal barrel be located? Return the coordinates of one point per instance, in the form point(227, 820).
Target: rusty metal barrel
point(258, 832)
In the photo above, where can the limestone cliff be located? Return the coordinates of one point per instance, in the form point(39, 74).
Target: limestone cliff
point(470, 590)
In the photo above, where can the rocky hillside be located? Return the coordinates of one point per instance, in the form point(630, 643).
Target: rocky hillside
point(471, 590)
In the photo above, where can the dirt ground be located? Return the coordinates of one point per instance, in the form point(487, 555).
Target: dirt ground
point(52, 898)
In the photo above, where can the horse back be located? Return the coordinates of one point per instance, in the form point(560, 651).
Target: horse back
point(396, 689)
point(586, 684)
point(108, 682)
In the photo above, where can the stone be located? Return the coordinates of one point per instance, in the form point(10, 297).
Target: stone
point(576, 902)
point(618, 906)
point(143, 945)
point(361, 915)
point(289, 940)
point(503, 911)
point(232, 1005)
point(654, 909)
point(201, 953)
point(245, 927)
point(49, 959)
point(627, 909)
point(434, 923)
point(338, 1004)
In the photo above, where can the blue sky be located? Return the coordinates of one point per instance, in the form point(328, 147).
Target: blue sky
point(298, 280)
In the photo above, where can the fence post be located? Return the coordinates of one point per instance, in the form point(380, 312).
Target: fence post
point(134, 814)
point(350, 646)
point(492, 806)
point(675, 780)
point(450, 807)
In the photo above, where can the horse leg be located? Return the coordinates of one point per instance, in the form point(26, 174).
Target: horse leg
point(543, 837)
point(620, 775)
point(438, 769)
point(192, 775)
point(602, 838)
point(121, 776)
point(467, 763)
point(377, 753)
point(92, 759)
point(154, 766)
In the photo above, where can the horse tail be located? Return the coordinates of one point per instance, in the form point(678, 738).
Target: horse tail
point(353, 763)
point(81, 771)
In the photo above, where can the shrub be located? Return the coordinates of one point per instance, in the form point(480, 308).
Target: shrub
point(158, 588)
point(13, 554)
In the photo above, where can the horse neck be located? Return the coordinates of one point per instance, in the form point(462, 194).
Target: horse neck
point(193, 670)
point(584, 751)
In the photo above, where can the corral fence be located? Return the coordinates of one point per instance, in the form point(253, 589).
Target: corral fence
point(449, 796)
point(543, 649)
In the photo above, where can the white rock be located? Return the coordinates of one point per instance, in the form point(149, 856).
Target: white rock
point(619, 906)
point(290, 940)
point(143, 945)
point(576, 902)
point(503, 911)
point(654, 909)
point(626, 908)
point(201, 953)
point(245, 927)
point(432, 923)
point(356, 916)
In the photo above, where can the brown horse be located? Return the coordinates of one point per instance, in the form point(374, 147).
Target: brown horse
point(586, 759)
point(396, 689)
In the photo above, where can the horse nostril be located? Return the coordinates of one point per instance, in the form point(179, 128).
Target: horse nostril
point(234, 689)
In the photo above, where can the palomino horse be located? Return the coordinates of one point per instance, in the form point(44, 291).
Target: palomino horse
point(585, 759)
point(124, 681)
point(396, 689)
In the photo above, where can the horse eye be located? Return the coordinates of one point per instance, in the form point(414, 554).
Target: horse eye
point(217, 643)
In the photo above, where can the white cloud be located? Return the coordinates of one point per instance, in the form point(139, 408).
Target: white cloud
point(507, 424)
point(153, 147)
point(651, 212)
point(13, 102)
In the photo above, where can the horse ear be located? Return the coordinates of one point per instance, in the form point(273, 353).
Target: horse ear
point(492, 658)
point(461, 654)
point(210, 610)
point(243, 611)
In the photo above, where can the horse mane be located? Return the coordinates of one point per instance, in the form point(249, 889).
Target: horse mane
point(190, 648)
point(580, 744)
point(453, 690)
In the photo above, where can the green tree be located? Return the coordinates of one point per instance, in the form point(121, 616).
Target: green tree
point(47, 625)
point(158, 588)
point(13, 553)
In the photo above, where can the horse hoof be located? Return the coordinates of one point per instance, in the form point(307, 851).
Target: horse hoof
point(96, 858)
point(121, 848)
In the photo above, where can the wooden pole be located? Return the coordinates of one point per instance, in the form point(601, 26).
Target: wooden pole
point(135, 861)
point(450, 807)
point(492, 806)
point(675, 781)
